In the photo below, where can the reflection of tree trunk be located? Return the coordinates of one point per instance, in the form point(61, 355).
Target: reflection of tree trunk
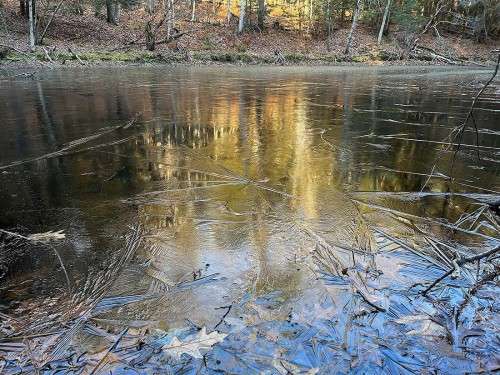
point(261, 14)
point(357, 11)
point(241, 23)
point(46, 119)
point(384, 20)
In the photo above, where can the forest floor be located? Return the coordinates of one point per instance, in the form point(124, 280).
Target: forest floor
point(211, 41)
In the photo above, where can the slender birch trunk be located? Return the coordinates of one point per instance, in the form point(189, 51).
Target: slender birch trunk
point(384, 20)
point(241, 23)
point(359, 5)
point(193, 10)
point(32, 24)
point(170, 17)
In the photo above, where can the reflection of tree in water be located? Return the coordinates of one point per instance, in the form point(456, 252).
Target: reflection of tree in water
point(200, 134)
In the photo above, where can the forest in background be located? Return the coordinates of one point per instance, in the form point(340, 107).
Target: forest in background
point(266, 31)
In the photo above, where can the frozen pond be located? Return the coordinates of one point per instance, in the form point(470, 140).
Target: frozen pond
point(299, 211)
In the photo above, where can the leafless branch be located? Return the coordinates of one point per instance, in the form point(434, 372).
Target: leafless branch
point(50, 21)
point(470, 115)
point(461, 262)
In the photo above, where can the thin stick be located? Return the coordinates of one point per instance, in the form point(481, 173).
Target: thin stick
point(70, 146)
point(75, 56)
point(50, 21)
point(470, 113)
point(426, 219)
point(43, 244)
point(111, 348)
point(47, 56)
point(461, 262)
point(228, 307)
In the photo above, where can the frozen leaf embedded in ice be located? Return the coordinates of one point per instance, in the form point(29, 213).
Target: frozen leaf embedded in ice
point(47, 236)
point(193, 344)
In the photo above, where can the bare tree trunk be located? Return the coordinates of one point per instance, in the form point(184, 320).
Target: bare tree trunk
point(117, 12)
point(150, 36)
point(42, 35)
point(193, 10)
point(113, 11)
point(32, 24)
point(241, 23)
point(22, 8)
point(261, 14)
point(109, 11)
point(357, 11)
point(228, 11)
point(310, 14)
point(170, 17)
point(150, 6)
point(149, 28)
point(384, 20)
point(328, 26)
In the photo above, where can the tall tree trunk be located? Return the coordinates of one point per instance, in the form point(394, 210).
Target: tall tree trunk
point(193, 10)
point(310, 14)
point(170, 17)
point(384, 20)
point(328, 26)
point(149, 28)
point(109, 11)
point(116, 12)
point(150, 36)
point(150, 6)
point(113, 11)
point(32, 24)
point(22, 8)
point(357, 12)
point(261, 14)
point(241, 23)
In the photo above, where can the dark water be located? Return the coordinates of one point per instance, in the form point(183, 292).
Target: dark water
point(233, 173)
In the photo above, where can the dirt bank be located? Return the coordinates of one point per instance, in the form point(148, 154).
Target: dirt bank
point(89, 39)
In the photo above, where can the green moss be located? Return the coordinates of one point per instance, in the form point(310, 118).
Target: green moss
point(295, 57)
point(14, 56)
point(361, 58)
point(208, 44)
point(331, 58)
point(231, 57)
